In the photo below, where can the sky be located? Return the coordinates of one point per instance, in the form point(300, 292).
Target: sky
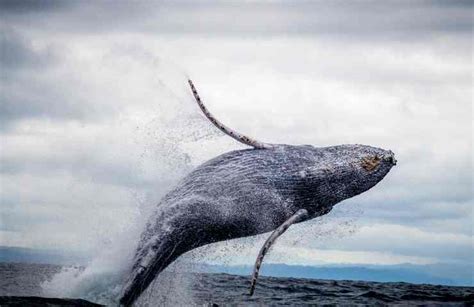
point(97, 121)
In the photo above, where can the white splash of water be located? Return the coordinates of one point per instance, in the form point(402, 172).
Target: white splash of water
point(159, 131)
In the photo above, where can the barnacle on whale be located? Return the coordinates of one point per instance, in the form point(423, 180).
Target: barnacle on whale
point(371, 163)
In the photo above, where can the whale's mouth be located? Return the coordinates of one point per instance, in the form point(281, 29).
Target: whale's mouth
point(390, 158)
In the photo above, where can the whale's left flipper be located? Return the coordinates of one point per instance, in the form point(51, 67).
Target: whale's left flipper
point(230, 132)
point(295, 218)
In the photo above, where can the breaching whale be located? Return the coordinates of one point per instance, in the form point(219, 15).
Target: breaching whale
point(248, 192)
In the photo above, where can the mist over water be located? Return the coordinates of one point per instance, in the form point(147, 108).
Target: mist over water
point(155, 134)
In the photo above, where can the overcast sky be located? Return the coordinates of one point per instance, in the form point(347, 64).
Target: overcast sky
point(97, 122)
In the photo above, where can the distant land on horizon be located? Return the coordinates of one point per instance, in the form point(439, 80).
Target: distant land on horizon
point(43, 256)
point(438, 274)
point(416, 274)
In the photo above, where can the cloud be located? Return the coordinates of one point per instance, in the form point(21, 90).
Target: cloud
point(390, 20)
point(28, 6)
point(406, 240)
point(27, 90)
point(18, 52)
point(76, 80)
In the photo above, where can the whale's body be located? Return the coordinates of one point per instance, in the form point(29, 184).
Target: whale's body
point(249, 192)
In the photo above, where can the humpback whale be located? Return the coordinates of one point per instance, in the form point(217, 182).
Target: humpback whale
point(242, 193)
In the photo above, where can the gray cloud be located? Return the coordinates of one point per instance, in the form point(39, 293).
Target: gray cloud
point(361, 20)
point(39, 81)
point(17, 52)
point(39, 101)
point(26, 6)
point(26, 91)
point(404, 241)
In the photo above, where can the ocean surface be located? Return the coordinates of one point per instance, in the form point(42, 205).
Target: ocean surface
point(204, 289)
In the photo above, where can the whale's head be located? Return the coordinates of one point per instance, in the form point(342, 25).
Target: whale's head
point(325, 176)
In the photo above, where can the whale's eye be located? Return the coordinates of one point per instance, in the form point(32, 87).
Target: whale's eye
point(370, 163)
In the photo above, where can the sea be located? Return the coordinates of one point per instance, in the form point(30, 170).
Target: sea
point(216, 289)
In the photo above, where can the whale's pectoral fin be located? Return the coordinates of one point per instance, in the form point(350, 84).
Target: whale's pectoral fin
point(230, 132)
point(295, 218)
